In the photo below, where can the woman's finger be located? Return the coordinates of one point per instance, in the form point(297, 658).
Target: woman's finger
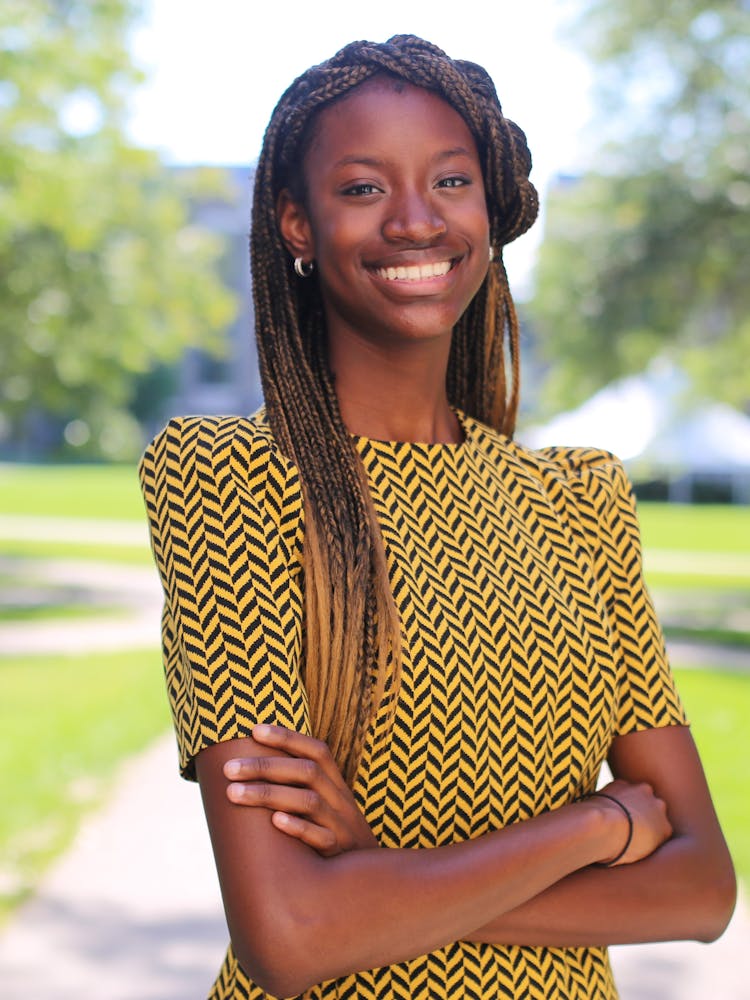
point(320, 838)
point(301, 746)
point(304, 802)
point(278, 770)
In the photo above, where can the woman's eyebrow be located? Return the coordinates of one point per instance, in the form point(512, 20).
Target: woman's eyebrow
point(374, 161)
point(448, 154)
point(356, 158)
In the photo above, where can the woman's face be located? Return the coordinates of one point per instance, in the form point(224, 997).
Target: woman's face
point(394, 215)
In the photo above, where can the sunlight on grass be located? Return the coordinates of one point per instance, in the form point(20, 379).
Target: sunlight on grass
point(96, 491)
point(695, 528)
point(56, 612)
point(67, 723)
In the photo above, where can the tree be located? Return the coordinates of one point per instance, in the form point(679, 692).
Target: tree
point(645, 254)
point(103, 276)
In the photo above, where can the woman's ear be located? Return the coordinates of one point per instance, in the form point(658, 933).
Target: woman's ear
point(294, 226)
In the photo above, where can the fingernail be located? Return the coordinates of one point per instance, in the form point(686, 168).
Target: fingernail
point(234, 791)
point(262, 730)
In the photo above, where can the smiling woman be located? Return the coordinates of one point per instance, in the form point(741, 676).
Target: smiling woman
point(398, 646)
point(395, 216)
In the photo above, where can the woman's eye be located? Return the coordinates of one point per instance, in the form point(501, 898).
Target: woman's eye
point(361, 189)
point(453, 182)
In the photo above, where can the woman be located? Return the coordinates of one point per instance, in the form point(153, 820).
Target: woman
point(460, 622)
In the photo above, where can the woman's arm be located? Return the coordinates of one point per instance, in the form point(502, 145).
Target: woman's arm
point(297, 918)
point(684, 890)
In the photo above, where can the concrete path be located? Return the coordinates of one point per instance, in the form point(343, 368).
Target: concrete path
point(78, 530)
point(133, 912)
point(134, 590)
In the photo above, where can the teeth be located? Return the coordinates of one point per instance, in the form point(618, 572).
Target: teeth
point(416, 272)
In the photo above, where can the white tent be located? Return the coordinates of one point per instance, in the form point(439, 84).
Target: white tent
point(712, 438)
point(650, 423)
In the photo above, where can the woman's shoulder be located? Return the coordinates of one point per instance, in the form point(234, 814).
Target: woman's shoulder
point(570, 473)
point(215, 451)
point(188, 437)
point(575, 463)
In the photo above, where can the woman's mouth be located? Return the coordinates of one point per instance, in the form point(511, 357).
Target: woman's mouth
point(414, 272)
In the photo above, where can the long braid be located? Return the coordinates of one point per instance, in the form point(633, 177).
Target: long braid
point(352, 656)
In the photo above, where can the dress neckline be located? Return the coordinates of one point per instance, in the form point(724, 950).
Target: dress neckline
point(468, 428)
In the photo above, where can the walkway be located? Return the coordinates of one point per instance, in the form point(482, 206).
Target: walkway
point(134, 592)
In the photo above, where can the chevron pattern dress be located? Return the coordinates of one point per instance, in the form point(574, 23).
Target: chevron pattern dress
point(529, 642)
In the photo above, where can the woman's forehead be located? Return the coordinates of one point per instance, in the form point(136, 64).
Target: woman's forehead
point(382, 111)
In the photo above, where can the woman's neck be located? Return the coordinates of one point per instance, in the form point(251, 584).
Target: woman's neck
point(396, 396)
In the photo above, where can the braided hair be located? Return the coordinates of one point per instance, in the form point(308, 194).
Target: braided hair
point(351, 655)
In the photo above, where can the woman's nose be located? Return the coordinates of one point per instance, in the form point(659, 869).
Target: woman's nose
point(413, 217)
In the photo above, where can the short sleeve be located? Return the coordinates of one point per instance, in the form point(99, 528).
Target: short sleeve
point(647, 697)
point(225, 514)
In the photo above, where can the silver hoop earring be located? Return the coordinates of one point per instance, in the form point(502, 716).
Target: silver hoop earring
point(492, 253)
point(302, 268)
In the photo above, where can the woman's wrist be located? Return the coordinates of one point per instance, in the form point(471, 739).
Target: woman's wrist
point(628, 818)
point(614, 828)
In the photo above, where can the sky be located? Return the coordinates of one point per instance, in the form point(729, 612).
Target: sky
point(215, 69)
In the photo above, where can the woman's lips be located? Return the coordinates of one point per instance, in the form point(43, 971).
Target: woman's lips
point(414, 272)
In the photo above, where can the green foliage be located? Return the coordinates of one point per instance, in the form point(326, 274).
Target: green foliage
point(104, 277)
point(644, 254)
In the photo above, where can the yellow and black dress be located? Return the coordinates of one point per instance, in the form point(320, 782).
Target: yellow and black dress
point(528, 638)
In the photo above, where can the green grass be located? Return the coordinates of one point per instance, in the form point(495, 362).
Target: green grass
point(98, 491)
point(131, 555)
point(695, 528)
point(718, 706)
point(47, 611)
point(111, 491)
point(66, 723)
point(695, 581)
point(716, 636)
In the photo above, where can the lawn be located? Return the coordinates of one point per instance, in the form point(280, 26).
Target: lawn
point(111, 491)
point(131, 555)
point(66, 723)
point(718, 705)
point(98, 491)
point(78, 491)
point(695, 528)
point(56, 612)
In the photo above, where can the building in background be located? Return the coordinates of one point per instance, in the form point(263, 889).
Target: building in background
point(230, 384)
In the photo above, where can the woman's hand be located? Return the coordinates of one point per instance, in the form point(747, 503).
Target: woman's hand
point(308, 797)
point(648, 813)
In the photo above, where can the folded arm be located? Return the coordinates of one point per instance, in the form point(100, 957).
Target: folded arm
point(684, 890)
point(297, 918)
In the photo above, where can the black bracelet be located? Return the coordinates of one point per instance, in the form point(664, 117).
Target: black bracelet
point(608, 864)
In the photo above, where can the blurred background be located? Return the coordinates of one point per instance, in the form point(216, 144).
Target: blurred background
point(130, 135)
